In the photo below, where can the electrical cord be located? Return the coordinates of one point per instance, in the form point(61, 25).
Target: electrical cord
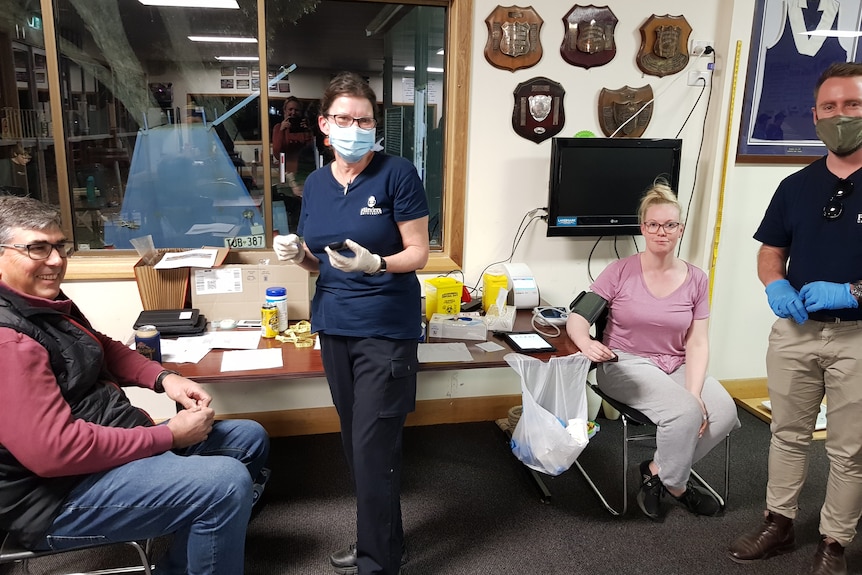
point(665, 89)
point(590, 258)
point(708, 50)
point(516, 240)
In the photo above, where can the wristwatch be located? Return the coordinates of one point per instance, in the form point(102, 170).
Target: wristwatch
point(856, 290)
point(382, 269)
point(159, 386)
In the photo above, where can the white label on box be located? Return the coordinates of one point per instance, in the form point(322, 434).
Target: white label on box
point(257, 241)
point(218, 280)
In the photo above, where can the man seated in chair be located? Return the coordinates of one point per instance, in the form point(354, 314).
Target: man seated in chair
point(654, 355)
point(78, 463)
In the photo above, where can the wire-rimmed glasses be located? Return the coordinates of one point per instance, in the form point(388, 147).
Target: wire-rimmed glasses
point(668, 227)
point(344, 121)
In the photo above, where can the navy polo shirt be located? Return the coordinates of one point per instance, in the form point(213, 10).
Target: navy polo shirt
point(387, 191)
point(820, 249)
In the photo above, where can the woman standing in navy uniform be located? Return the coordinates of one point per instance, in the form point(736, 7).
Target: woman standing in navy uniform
point(366, 307)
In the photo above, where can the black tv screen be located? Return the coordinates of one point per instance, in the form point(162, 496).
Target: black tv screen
point(596, 184)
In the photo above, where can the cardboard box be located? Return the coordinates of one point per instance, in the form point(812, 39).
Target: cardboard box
point(451, 326)
point(166, 289)
point(237, 288)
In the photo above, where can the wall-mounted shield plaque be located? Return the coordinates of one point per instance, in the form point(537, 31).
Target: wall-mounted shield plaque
point(664, 45)
point(616, 108)
point(589, 36)
point(513, 38)
point(538, 113)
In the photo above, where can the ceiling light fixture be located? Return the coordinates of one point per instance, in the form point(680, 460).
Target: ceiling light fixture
point(430, 69)
point(237, 58)
point(224, 39)
point(231, 4)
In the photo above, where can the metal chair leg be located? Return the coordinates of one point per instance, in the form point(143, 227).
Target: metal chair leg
point(625, 462)
point(721, 500)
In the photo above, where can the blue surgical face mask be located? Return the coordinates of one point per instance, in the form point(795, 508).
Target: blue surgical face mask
point(351, 143)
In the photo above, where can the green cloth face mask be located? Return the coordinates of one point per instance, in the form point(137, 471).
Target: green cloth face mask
point(841, 134)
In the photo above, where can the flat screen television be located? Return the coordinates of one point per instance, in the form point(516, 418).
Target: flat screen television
point(596, 184)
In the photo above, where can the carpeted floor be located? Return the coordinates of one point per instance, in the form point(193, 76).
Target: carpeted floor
point(469, 508)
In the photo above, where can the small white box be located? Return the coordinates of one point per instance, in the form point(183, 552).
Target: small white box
point(457, 327)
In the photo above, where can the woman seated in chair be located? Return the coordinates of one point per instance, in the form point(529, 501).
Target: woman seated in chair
point(654, 352)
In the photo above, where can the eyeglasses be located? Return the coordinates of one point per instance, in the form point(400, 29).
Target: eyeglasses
point(43, 250)
point(835, 207)
point(669, 227)
point(343, 121)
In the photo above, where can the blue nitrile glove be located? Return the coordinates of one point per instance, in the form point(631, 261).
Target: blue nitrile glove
point(785, 301)
point(827, 295)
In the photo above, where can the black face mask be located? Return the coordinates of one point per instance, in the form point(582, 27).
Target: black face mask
point(841, 134)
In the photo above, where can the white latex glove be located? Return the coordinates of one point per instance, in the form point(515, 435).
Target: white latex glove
point(289, 248)
point(364, 261)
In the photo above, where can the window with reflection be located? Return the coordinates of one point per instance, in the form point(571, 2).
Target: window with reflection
point(399, 48)
point(163, 128)
point(27, 160)
point(143, 159)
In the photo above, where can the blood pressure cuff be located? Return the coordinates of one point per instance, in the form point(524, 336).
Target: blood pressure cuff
point(588, 305)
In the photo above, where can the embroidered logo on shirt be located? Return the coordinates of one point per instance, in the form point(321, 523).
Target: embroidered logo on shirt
point(371, 210)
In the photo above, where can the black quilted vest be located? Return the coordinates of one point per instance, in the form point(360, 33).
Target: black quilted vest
point(29, 503)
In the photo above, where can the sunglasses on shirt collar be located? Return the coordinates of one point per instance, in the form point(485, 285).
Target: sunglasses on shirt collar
point(835, 206)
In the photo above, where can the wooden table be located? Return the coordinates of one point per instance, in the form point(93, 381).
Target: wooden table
point(306, 363)
point(298, 363)
point(751, 397)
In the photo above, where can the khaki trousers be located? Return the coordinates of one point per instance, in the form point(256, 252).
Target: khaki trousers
point(804, 363)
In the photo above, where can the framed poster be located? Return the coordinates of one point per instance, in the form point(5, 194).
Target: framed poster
point(242, 84)
point(227, 83)
point(784, 65)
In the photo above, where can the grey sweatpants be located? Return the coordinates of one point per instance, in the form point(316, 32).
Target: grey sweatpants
point(662, 397)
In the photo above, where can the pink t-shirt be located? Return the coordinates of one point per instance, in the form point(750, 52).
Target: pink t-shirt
point(645, 325)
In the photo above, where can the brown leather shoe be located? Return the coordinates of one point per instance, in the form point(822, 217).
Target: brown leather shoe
point(829, 559)
point(774, 537)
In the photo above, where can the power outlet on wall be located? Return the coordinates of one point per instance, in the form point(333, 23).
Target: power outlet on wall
point(698, 78)
point(698, 46)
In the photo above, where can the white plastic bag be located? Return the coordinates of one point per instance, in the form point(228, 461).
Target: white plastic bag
point(552, 431)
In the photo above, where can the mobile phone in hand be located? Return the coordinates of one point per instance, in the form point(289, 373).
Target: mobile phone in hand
point(337, 246)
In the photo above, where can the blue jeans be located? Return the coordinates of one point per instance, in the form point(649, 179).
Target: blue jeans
point(202, 494)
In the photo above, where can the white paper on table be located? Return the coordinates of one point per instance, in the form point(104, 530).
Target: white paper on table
point(204, 258)
point(247, 359)
point(444, 352)
point(245, 339)
point(489, 346)
point(184, 349)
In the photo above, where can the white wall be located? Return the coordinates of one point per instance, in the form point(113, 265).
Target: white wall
point(508, 175)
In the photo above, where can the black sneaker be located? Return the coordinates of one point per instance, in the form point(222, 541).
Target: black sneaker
point(699, 501)
point(651, 491)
